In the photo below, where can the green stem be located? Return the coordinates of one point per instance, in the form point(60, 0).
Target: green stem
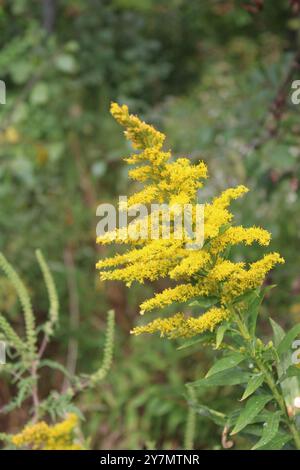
point(280, 400)
point(269, 380)
point(191, 422)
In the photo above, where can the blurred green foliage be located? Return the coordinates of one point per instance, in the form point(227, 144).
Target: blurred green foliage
point(207, 74)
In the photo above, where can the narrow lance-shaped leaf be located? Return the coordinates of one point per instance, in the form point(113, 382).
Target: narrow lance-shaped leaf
point(220, 335)
point(254, 383)
point(286, 342)
point(204, 302)
point(290, 386)
point(235, 377)
point(254, 305)
point(226, 363)
point(253, 408)
point(216, 416)
point(278, 442)
point(292, 371)
point(204, 338)
point(278, 332)
point(270, 429)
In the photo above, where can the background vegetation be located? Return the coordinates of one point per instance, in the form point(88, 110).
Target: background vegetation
point(215, 76)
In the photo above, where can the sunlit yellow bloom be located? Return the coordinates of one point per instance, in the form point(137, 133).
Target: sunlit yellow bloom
point(190, 264)
point(228, 195)
point(180, 293)
point(141, 173)
point(178, 326)
point(236, 235)
point(154, 155)
point(217, 214)
point(41, 436)
point(142, 135)
point(147, 195)
point(208, 321)
point(204, 271)
point(223, 269)
point(242, 280)
point(165, 326)
point(149, 262)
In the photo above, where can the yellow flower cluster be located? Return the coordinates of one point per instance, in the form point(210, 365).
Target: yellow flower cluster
point(178, 326)
point(141, 134)
point(201, 272)
point(41, 436)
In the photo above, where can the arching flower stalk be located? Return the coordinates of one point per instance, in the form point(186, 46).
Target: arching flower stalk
point(206, 272)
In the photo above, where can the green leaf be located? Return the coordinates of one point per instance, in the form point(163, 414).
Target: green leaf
point(277, 442)
point(253, 407)
point(246, 297)
point(233, 417)
point(220, 334)
point(292, 371)
point(254, 383)
point(286, 342)
point(290, 386)
point(216, 416)
point(235, 377)
point(278, 332)
point(205, 337)
point(253, 307)
point(270, 429)
point(226, 363)
point(204, 302)
point(252, 314)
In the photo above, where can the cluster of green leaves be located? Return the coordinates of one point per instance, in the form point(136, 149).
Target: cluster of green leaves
point(264, 372)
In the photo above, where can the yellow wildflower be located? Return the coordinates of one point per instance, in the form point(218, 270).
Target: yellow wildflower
point(223, 269)
point(208, 321)
point(41, 436)
point(242, 280)
point(148, 195)
point(34, 436)
point(203, 271)
point(236, 235)
point(178, 326)
point(180, 293)
point(190, 264)
point(141, 134)
point(165, 326)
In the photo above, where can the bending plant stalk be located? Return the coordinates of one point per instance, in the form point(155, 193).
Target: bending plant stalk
point(52, 422)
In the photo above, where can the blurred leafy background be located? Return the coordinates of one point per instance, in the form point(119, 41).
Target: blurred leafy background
point(216, 77)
